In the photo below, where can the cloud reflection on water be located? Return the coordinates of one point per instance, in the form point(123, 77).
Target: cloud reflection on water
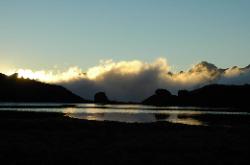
point(136, 117)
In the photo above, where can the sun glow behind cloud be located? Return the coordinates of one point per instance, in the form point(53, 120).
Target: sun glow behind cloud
point(135, 80)
point(97, 72)
point(50, 76)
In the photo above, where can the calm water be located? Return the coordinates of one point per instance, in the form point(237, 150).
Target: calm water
point(139, 113)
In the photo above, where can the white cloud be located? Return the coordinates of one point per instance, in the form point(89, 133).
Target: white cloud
point(135, 80)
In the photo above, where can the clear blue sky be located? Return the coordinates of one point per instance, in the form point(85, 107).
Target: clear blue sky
point(39, 34)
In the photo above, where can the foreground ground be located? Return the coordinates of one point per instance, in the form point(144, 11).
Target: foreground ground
point(51, 138)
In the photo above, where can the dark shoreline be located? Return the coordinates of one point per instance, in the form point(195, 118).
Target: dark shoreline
point(52, 138)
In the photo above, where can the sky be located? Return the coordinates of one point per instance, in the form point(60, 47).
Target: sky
point(49, 34)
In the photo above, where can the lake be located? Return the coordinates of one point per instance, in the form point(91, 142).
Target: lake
point(131, 113)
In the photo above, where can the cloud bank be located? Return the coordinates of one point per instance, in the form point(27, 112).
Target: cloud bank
point(135, 80)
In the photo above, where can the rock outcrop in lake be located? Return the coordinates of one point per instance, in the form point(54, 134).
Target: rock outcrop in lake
point(100, 97)
point(14, 89)
point(161, 97)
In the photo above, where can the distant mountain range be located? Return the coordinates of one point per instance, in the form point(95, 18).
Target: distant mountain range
point(13, 89)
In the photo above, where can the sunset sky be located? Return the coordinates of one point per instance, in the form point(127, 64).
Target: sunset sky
point(44, 34)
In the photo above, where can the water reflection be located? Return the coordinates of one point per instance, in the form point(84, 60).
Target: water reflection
point(133, 114)
point(120, 117)
point(136, 118)
point(138, 113)
point(175, 118)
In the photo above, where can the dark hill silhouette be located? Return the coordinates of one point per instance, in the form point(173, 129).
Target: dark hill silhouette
point(235, 96)
point(15, 89)
point(217, 96)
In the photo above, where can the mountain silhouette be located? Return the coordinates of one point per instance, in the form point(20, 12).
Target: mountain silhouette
point(234, 96)
point(14, 89)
